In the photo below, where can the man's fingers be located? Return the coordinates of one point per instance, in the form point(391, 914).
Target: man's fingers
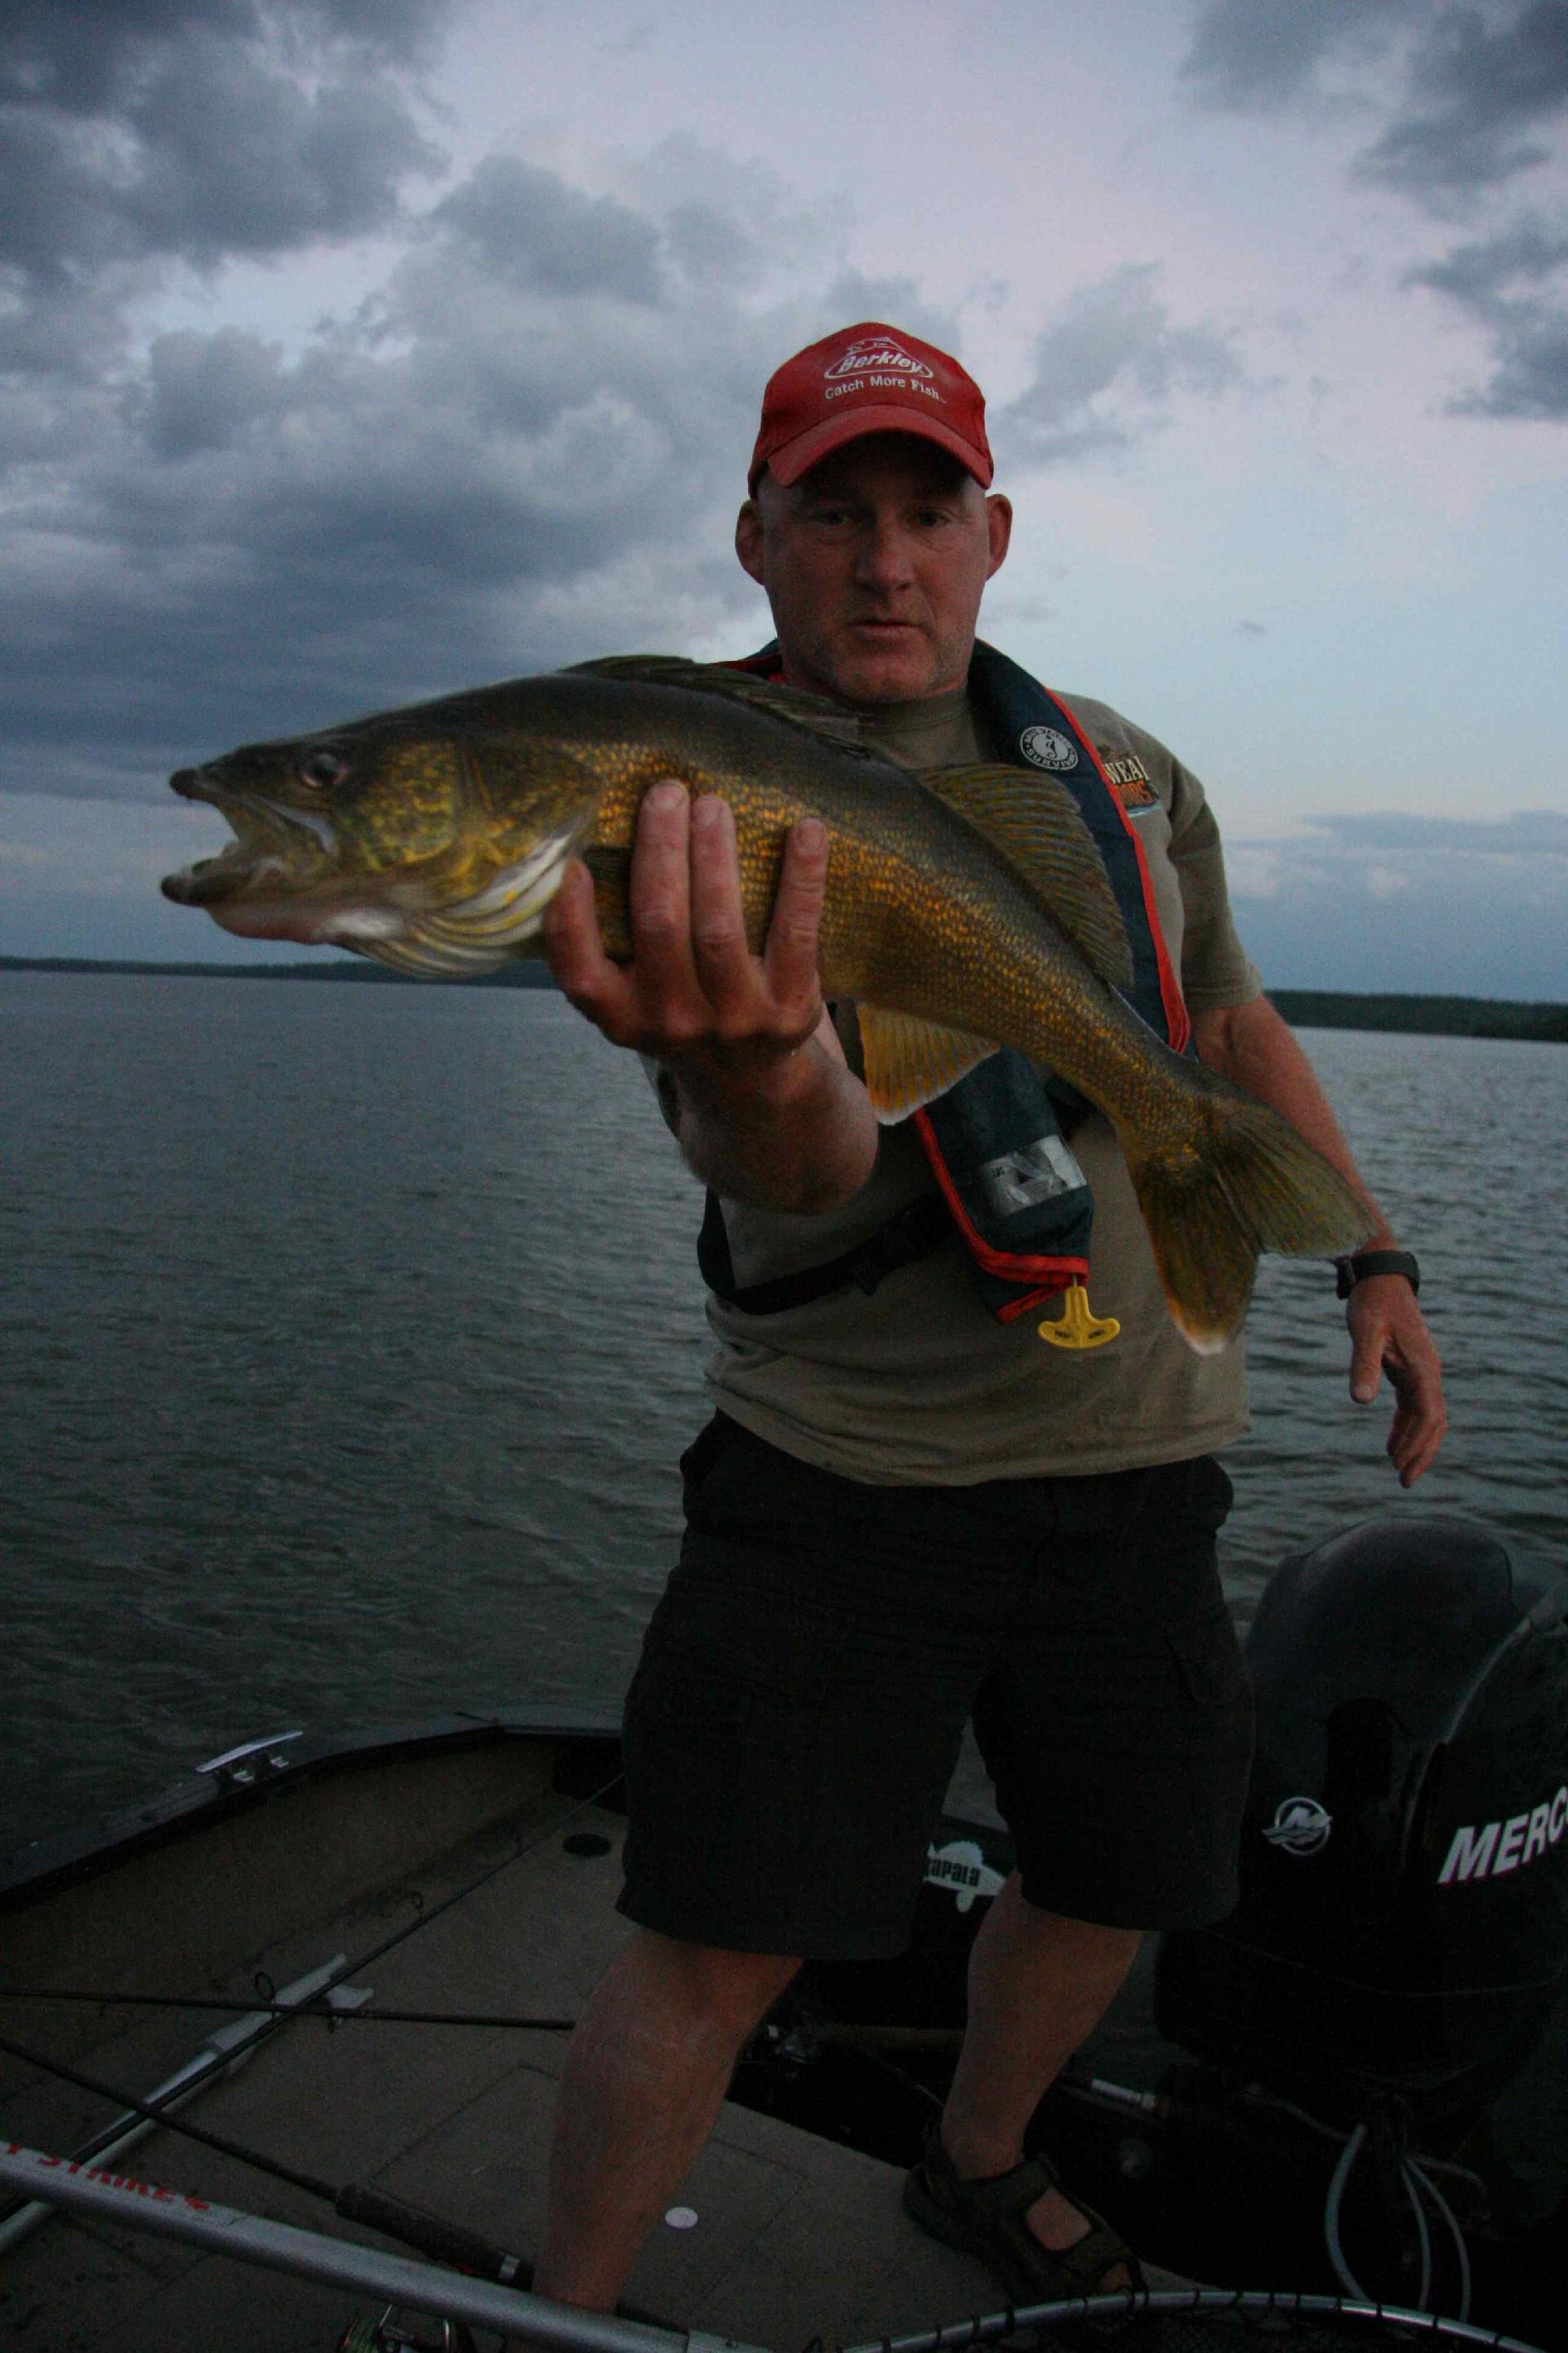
point(718, 917)
point(693, 977)
point(570, 931)
point(575, 952)
point(1366, 1367)
point(790, 955)
point(660, 889)
point(1390, 1336)
point(1419, 1422)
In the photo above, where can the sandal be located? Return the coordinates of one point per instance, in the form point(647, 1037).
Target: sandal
point(985, 2219)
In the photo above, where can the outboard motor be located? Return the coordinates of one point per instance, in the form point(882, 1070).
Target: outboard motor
point(1403, 1926)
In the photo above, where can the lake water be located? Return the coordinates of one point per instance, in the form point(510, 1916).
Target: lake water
point(348, 1336)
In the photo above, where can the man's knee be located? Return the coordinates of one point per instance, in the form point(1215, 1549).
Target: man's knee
point(728, 1991)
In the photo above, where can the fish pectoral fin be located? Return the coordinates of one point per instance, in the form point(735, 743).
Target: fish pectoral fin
point(810, 712)
point(1036, 824)
point(910, 1062)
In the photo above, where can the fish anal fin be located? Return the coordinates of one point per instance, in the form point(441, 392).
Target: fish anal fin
point(810, 712)
point(1036, 825)
point(910, 1062)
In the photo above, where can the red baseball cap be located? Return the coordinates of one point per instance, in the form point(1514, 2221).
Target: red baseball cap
point(868, 379)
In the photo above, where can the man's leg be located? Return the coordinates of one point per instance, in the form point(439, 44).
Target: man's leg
point(1038, 1985)
point(1116, 1723)
point(645, 2074)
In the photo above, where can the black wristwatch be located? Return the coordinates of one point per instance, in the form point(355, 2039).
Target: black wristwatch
point(1349, 1272)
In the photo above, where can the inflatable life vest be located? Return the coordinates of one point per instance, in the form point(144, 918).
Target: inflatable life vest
point(998, 1141)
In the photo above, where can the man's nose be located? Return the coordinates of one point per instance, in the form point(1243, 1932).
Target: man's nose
point(884, 556)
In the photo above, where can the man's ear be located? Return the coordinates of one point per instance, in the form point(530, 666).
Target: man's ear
point(749, 540)
point(999, 524)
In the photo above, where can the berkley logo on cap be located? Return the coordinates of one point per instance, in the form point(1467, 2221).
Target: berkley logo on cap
point(868, 378)
point(876, 352)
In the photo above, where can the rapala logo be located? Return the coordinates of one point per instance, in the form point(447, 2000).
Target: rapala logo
point(961, 1866)
point(1486, 1849)
point(873, 353)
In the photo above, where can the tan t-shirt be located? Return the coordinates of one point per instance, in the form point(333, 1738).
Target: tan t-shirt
point(919, 1384)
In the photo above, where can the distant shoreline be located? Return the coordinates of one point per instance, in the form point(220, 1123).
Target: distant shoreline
point(1307, 1008)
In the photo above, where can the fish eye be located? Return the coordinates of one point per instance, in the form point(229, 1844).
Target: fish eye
point(323, 769)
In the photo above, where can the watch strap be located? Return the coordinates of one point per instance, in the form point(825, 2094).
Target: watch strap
point(1360, 1264)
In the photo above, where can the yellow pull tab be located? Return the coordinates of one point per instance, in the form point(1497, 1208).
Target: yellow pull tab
point(1078, 1327)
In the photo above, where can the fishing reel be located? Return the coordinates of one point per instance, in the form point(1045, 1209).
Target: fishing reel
point(388, 2335)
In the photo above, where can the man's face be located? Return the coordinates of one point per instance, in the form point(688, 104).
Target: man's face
point(873, 564)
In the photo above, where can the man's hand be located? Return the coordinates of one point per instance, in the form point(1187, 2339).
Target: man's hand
point(1255, 1048)
point(1389, 1335)
point(767, 1110)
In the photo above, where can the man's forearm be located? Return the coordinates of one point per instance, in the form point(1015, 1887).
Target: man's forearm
point(1256, 1047)
point(796, 1135)
point(1252, 1045)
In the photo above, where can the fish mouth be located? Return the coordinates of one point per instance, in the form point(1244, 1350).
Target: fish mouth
point(275, 848)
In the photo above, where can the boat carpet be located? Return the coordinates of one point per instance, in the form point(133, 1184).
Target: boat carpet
point(795, 2236)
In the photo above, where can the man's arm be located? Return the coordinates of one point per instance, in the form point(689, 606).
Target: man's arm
point(1251, 1044)
point(767, 1109)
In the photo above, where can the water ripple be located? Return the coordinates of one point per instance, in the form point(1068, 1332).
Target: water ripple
point(351, 1336)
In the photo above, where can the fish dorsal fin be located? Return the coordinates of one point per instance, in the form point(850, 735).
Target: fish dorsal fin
point(1036, 825)
point(812, 712)
point(910, 1062)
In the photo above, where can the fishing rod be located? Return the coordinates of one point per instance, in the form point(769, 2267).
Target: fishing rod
point(436, 2236)
point(522, 2318)
point(318, 2006)
point(431, 2235)
point(355, 2202)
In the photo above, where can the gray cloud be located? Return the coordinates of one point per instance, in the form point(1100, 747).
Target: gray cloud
point(1384, 900)
point(1106, 369)
point(730, 223)
point(1261, 55)
point(200, 129)
point(1529, 252)
point(80, 54)
point(1477, 90)
point(201, 392)
point(1507, 282)
point(1472, 94)
point(1466, 90)
point(526, 227)
point(526, 447)
point(1521, 833)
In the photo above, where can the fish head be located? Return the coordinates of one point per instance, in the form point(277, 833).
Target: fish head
point(432, 845)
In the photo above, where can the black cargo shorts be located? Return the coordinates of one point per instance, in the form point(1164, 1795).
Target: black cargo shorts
point(793, 1723)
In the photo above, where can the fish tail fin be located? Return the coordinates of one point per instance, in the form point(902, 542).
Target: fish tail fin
point(1240, 1181)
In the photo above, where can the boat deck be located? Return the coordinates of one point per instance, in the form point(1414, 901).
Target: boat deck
point(795, 2237)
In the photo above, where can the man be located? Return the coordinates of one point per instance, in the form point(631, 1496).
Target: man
point(909, 1509)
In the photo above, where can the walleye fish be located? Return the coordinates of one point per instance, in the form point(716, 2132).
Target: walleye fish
point(966, 908)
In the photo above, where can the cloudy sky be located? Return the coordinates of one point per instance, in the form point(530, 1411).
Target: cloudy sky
point(355, 349)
